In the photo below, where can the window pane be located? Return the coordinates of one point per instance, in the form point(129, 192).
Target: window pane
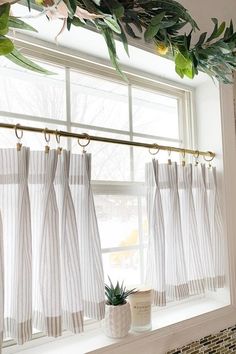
point(155, 114)
point(110, 162)
point(124, 265)
point(28, 93)
point(117, 220)
point(99, 102)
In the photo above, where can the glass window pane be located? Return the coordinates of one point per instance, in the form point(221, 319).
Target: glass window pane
point(110, 162)
point(117, 220)
point(124, 265)
point(99, 102)
point(29, 93)
point(155, 114)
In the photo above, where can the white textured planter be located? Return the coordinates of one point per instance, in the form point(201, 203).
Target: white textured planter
point(117, 320)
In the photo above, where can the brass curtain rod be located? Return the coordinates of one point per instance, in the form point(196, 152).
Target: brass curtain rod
point(62, 133)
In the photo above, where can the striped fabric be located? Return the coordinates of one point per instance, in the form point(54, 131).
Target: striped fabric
point(15, 207)
point(53, 264)
point(90, 247)
point(185, 252)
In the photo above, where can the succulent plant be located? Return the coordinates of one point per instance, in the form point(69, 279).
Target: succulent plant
point(117, 295)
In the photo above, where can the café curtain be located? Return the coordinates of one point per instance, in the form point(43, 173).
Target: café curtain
point(186, 249)
point(52, 274)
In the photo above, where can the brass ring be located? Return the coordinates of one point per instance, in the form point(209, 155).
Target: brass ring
point(155, 146)
point(183, 153)
point(86, 136)
point(210, 153)
point(46, 135)
point(196, 154)
point(58, 137)
point(19, 137)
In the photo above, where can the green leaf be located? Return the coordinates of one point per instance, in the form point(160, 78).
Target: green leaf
point(217, 31)
point(221, 29)
point(17, 23)
point(189, 72)
point(130, 31)
point(29, 5)
point(181, 61)
point(170, 6)
point(179, 72)
point(167, 24)
point(16, 57)
point(124, 41)
point(153, 27)
point(201, 39)
point(112, 24)
point(4, 16)
point(156, 20)
point(71, 5)
point(76, 22)
point(6, 45)
point(116, 8)
point(119, 11)
point(90, 6)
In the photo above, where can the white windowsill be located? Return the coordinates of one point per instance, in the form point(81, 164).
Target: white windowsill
point(94, 341)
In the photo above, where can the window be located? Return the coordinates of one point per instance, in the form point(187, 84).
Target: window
point(90, 102)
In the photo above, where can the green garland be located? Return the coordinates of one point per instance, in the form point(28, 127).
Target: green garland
point(161, 22)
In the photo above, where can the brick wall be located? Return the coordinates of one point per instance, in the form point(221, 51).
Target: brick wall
point(223, 342)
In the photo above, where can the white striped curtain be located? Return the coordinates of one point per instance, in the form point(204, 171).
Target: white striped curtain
point(186, 248)
point(53, 273)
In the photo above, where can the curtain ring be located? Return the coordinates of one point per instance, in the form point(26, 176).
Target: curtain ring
point(86, 136)
point(17, 127)
point(58, 137)
point(196, 156)
point(47, 138)
point(58, 140)
point(169, 159)
point(155, 146)
point(183, 155)
point(46, 135)
point(212, 157)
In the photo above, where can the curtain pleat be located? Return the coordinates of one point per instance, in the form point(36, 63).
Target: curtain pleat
point(49, 270)
point(155, 274)
point(216, 227)
point(89, 240)
point(70, 262)
point(203, 225)
point(192, 250)
point(23, 253)
point(176, 273)
point(185, 251)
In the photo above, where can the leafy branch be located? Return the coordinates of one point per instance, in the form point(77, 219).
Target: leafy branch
point(159, 21)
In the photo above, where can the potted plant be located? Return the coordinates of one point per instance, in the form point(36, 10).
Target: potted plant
point(117, 320)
